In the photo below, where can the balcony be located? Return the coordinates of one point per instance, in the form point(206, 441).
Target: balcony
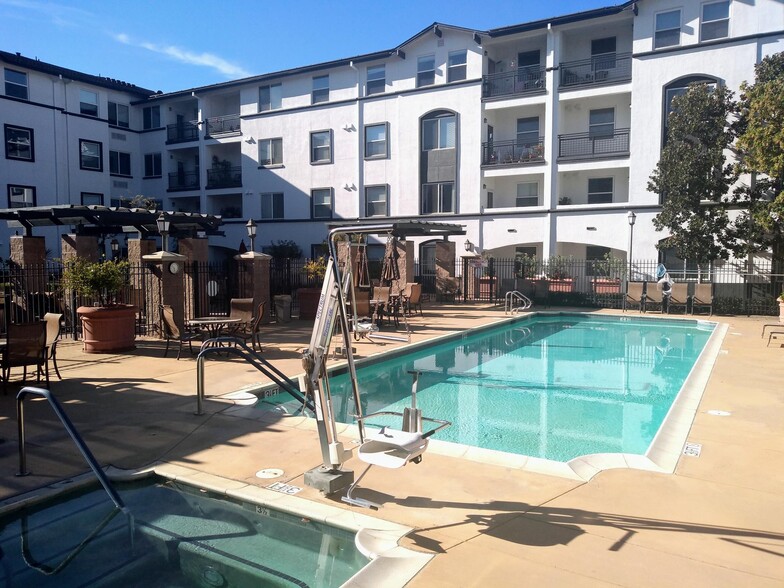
point(223, 125)
point(183, 181)
point(514, 83)
point(224, 177)
point(593, 146)
point(512, 152)
point(182, 132)
point(609, 68)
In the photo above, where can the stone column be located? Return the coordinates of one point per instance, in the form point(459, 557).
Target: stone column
point(28, 257)
point(165, 284)
point(196, 253)
point(405, 262)
point(445, 263)
point(138, 248)
point(256, 282)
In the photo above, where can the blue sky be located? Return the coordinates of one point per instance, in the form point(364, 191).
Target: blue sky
point(174, 45)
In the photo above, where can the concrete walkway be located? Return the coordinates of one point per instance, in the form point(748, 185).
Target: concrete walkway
point(717, 521)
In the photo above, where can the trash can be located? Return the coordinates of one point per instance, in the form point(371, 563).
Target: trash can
point(283, 308)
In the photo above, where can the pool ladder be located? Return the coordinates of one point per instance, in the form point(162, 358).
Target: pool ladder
point(516, 301)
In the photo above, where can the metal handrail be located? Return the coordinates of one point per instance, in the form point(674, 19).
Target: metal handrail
point(514, 296)
point(71, 430)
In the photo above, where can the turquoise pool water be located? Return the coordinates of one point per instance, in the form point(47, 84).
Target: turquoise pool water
point(179, 537)
point(549, 386)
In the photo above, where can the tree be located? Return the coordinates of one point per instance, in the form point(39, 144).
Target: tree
point(693, 178)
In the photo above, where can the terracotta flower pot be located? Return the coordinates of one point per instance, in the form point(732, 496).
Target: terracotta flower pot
point(308, 299)
point(108, 329)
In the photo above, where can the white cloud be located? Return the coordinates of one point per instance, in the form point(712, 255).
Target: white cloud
point(59, 14)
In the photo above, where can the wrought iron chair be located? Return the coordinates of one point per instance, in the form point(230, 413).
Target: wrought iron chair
point(170, 331)
point(252, 331)
point(53, 328)
point(25, 346)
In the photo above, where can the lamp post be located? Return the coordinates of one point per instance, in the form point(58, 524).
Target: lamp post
point(468, 245)
point(115, 245)
point(631, 217)
point(163, 228)
point(251, 227)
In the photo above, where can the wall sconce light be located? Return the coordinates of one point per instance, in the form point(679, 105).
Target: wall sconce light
point(115, 245)
point(348, 127)
point(511, 230)
point(251, 227)
point(250, 140)
point(468, 245)
point(590, 228)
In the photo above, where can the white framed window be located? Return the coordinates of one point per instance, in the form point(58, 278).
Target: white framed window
point(527, 132)
point(456, 66)
point(151, 117)
point(715, 22)
point(19, 143)
point(270, 97)
point(600, 190)
point(271, 152)
point(439, 132)
point(119, 163)
point(152, 165)
point(377, 200)
point(90, 155)
point(426, 70)
point(88, 102)
point(376, 144)
point(320, 89)
point(438, 198)
point(601, 123)
point(321, 147)
point(272, 205)
point(668, 29)
point(527, 194)
point(376, 79)
point(119, 115)
point(321, 203)
point(16, 84)
point(21, 196)
point(92, 199)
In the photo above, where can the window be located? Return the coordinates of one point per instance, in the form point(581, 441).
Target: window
point(19, 143)
point(676, 88)
point(118, 115)
point(272, 205)
point(603, 54)
point(601, 123)
point(321, 203)
point(376, 201)
point(16, 84)
point(600, 190)
point(270, 97)
point(668, 29)
point(271, 152)
point(527, 131)
point(715, 21)
point(376, 146)
point(152, 117)
point(92, 199)
point(439, 132)
point(21, 196)
point(527, 194)
point(152, 165)
point(438, 198)
point(88, 103)
point(321, 147)
point(376, 79)
point(456, 66)
point(90, 155)
point(426, 70)
point(320, 89)
point(119, 163)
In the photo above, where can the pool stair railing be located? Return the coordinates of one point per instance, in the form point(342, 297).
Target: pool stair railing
point(515, 302)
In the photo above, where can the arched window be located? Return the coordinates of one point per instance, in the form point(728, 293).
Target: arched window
point(676, 88)
point(438, 168)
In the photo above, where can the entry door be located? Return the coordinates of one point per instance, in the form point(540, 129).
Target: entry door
point(427, 267)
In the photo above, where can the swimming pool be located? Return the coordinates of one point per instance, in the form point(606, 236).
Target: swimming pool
point(554, 387)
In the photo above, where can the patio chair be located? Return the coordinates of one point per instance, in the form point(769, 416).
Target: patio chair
point(251, 332)
point(412, 298)
point(171, 331)
point(678, 297)
point(702, 297)
point(634, 296)
point(53, 329)
point(382, 299)
point(653, 296)
point(25, 346)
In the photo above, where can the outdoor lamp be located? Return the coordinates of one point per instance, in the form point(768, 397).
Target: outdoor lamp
point(468, 245)
point(163, 228)
point(632, 218)
point(251, 227)
point(115, 245)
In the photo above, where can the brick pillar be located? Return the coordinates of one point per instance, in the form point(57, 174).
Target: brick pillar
point(405, 261)
point(445, 263)
point(196, 253)
point(256, 281)
point(84, 246)
point(138, 248)
point(165, 286)
point(29, 254)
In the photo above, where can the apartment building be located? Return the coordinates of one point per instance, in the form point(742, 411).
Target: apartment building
point(539, 138)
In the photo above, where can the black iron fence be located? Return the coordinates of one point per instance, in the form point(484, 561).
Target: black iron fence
point(220, 125)
point(593, 144)
point(512, 152)
point(184, 180)
point(182, 132)
point(608, 68)
point(526, 80)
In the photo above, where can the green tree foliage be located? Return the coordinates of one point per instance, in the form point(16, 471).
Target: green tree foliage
point(693, 177)
point(284, 249)
point(102, 280)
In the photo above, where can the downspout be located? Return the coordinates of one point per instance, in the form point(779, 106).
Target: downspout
point(359, 130)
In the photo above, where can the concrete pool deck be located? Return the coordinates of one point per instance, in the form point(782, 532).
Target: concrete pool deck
point(717, 521)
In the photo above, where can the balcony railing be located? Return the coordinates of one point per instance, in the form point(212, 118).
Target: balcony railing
point(512, 152)
point(519, 82)
point(593, 145)
point(181, 132)
point(610, 68)
point(223, 125)
point(224, 177)
point(184, 181)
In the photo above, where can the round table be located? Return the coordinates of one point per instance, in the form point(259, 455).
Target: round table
point(213, 324)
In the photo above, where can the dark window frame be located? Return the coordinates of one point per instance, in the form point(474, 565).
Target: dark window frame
point(8, 128)
point(599, 196)
point(371, 85)
point(268, 105)
point(271, 162)
point(330, 159)
point(12, 186)
point(123, 158)
point(331, 193)
point(100, 155)
point(114, 119)
point(318, 94)
point(703, 22)
point(386, 201)
point(91, 194)
point(656, 29)
point(151, 158)
point(26, 85)
point(439, 198)
point(272, 196)
point(429, 73)
point(385, 154)
point(149, 117)
point(88, 111)
point(451, 76)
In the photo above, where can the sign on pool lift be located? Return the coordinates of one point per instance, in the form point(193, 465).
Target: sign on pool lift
point(388, 447)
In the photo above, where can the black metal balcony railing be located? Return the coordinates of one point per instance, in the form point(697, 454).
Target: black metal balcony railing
point(181, 132)
point(610, 68)
point(224, 177)
point(592, 145)
point(222, 125)
point(512, 152)
point(184, 180)
point(520, 81)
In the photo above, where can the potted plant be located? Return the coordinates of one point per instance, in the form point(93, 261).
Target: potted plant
point(607, 274)
point(107, 326)
point(308, 297)
point(558, 273)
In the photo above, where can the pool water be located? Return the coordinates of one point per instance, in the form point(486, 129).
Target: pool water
point(549, 386)
point(178, 537)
